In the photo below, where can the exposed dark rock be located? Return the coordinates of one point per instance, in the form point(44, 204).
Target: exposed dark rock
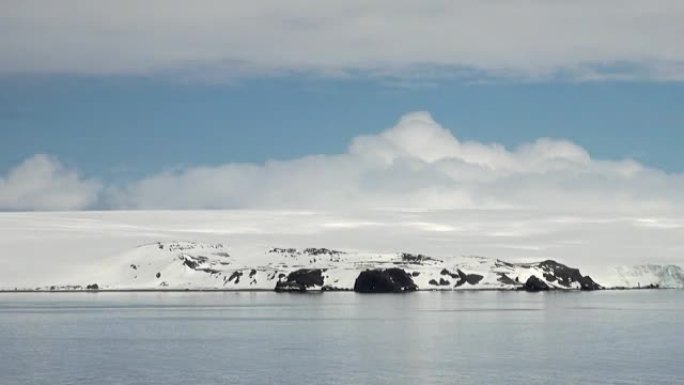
point(433, 282)
point(450, 274)
point(333, 288)
point(313, 251)
point(393, 280)
point(301, 280)
point(463, 278)
point(473, 279)
point(500, 263)
point(566, 276)
point(191, 263)
point(416, 259)
point(506, 280)
point(134, 267)
point(93, 286)
point(280, 250)
point(444, 282)
point(195, 263)
point(413, 258)
point(321, 251)
point(535, 284)
point(588, 284)
point(158, 275)
point(415, 273)
point(549, 277)
point(235, 276)
point(252, 273)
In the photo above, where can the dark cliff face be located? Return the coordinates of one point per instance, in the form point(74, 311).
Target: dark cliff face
point(392, 280)
point(301, 280)
point(566, 276)
point(535, 284)
point(561, 275)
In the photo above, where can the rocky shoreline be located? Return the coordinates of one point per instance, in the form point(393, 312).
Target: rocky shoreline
point(392, 280)
point(187, 266)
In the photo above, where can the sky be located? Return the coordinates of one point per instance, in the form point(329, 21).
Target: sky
point(435, 105)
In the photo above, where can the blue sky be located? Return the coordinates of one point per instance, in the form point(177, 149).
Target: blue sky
point(438, 104)
point(120, 128)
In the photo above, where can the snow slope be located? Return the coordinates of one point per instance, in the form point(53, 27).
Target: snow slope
point(664, 276)
point(192, 265)
point(203, 249)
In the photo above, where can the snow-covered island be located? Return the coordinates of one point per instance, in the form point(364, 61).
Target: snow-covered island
point(214, 266)
point(318, 251)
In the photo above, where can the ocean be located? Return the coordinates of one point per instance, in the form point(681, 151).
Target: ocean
point(605, 337)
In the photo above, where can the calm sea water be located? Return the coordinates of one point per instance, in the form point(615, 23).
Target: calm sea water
point(634, 337)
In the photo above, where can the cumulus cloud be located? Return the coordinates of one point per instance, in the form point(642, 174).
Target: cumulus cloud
point(418, 164)
point(43, 183)
point(530, 39)
point(415, 165)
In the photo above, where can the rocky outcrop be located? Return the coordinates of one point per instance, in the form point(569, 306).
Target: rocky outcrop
point(194, 262)
point(567, 276)
point(180, 266)
point(321, 251)
point(534, 284)
point(417, 259)
point(235, 276)
point(442, 282)
point(472, 279)
point(506, 280)
point(558, 276)
point(301, 280)
point(392, 280)
point(463, 278)
point(93, 286)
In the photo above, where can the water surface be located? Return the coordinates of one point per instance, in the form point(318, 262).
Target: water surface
point(630, 337)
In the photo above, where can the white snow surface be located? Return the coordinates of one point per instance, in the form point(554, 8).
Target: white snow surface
point(196, 266)
point(665, 276)
point(64, 250)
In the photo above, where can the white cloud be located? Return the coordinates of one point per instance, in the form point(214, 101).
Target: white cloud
point(530, 39)
point(43, 183)
point(414, 165)
point(417, 164)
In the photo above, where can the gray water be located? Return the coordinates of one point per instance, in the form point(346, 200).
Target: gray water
point(634, 337)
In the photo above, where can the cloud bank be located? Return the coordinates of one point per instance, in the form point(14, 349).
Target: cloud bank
point(414, 165)
point(43, 183)
point(523, 39)
point(417, 164)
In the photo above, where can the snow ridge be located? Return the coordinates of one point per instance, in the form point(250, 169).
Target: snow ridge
point(214, 266)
